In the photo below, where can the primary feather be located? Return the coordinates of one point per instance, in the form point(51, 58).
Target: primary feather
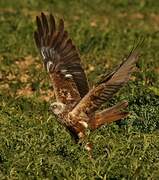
point(55, 46)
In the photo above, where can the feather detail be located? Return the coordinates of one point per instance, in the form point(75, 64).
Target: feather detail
point(109, 115)
point(55, 45)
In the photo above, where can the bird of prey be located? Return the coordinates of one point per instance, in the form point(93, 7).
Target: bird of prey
point(77, 106)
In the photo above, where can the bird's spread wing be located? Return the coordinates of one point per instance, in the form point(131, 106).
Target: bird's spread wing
point(106, 88)
point(61, 59)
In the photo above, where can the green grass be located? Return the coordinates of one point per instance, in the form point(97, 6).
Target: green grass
point(32, 144)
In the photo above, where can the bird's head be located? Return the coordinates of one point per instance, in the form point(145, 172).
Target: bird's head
point(57, 108)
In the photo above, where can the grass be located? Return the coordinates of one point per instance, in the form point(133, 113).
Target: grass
point(32, 144)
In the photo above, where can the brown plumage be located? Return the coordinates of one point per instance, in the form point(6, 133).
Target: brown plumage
point(77, 107)
point(109, 115)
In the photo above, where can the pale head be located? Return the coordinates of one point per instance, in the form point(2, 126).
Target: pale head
point(57, 107)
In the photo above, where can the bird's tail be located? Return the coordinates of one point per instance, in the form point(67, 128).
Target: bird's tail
point(109, 115)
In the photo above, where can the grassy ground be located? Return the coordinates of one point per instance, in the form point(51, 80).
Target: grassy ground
point(32, 144)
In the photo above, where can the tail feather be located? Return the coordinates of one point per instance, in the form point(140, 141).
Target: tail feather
point(109, 115)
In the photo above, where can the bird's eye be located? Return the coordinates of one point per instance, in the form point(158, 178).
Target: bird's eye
point(54, 106)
